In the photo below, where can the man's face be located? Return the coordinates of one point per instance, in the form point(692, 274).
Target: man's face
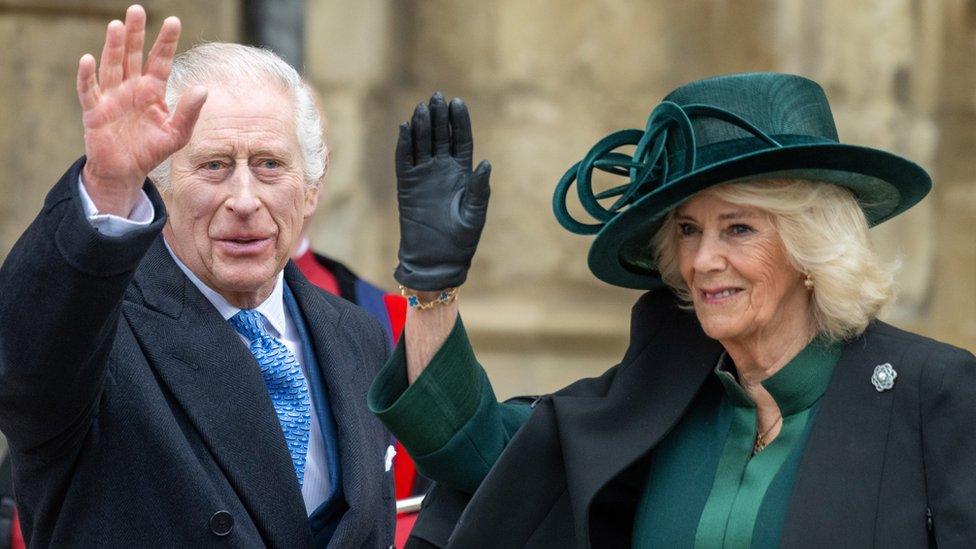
point(237, 198)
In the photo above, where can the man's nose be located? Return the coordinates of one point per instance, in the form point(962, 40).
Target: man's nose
point(243, 199)
point(710, 255)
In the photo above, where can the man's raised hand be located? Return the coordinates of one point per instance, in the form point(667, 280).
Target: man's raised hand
point(128, 127)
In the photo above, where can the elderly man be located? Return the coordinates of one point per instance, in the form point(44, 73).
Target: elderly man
point(174, 380)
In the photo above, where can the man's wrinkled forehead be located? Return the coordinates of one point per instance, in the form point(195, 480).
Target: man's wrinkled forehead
point(259, 118)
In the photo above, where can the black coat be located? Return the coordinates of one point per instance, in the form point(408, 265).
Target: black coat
point(880, 469)
point(134, 413)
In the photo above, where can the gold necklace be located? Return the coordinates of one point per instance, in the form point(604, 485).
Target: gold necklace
point(761, 443)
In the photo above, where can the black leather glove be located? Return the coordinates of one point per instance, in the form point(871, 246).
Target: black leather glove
point(442, 202)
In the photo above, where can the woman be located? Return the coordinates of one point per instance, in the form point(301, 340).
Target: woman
point(760, 403)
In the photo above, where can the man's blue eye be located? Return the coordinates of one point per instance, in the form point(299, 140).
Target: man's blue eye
point(213, 165)
point(270, 164)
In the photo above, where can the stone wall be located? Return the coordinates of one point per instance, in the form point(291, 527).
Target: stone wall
point(545, 79)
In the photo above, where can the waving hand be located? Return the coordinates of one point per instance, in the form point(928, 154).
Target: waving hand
point(128, 127)
point(442, 202)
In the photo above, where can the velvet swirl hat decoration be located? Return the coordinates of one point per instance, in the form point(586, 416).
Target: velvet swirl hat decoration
point(740, 127)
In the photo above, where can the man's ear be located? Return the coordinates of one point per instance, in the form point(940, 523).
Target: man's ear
point(311, 200)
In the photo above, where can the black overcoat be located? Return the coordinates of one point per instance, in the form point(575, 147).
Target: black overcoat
point(886, 469)
point(135, 414)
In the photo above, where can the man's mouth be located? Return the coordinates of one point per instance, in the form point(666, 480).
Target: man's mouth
point(243, 245)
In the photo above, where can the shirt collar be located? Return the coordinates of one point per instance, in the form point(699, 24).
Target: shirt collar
point(796, 386)
point(272, 308)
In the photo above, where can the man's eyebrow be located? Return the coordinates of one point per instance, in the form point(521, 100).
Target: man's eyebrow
point(206, 151)
point(275, 149)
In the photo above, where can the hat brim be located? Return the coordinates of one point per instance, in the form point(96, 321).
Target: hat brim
point(883, 183)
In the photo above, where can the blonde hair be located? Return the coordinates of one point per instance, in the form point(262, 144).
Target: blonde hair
point(825, 235)
point(245, 67)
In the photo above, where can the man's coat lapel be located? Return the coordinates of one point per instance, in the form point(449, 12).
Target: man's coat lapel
point(215, 380)
point(345, 380)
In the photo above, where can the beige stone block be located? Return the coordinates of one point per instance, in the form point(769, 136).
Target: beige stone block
point(42, 128)
point(543, 43)
point(627, 49)
point(446, 44)
point(542, 371)
point(953, 310)
point(535, 346)
point(521, 223)
point(353, 222)
point(347, 43)
point(862, 45)
point(958, 86)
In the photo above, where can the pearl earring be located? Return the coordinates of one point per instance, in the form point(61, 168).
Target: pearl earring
point(808, 281)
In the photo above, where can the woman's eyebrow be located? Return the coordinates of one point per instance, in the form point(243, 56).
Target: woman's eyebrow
point(738, 214)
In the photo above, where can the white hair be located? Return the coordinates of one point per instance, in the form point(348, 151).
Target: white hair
point(248, 67)
point(825, 235)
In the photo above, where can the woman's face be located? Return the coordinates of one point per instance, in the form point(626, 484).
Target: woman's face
point(732, 259)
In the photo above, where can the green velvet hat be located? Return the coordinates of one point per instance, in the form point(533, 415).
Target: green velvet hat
point(739, 127)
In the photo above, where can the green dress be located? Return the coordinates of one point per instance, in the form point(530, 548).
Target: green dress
point(704, 487)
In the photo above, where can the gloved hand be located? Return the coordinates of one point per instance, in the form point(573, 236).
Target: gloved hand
point(442, 202)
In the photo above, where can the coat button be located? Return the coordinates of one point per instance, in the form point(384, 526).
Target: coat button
point(221, 523)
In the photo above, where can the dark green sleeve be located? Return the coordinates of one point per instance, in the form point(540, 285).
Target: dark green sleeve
point(449, 419)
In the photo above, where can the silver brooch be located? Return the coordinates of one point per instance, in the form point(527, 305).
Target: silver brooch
point(884, 376)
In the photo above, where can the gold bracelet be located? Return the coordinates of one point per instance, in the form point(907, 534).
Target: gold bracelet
point(443, 298)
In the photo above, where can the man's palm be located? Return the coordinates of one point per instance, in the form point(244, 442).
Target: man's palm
point(128, 131)
point(128, 127)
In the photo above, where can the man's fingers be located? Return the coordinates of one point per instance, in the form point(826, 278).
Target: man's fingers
point(404, 148)
point(87, 83)
point(160, 59)
point(110, 67)
point(420, 124)
point(185, 115)
point(439, 122)
point(462, 144)
point(135, 36)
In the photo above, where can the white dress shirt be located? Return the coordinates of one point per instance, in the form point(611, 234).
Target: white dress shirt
point(315, 487)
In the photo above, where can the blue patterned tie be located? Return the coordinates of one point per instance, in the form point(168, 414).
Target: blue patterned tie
point(285, 381)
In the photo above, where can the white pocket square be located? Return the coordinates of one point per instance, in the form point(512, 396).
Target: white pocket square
point(388, 460)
